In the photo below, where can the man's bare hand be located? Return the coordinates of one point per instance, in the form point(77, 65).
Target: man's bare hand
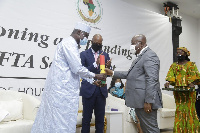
point(97, 83)
point(147, 107)
point(102, 85)
point(101, 76)
point(108, 63)
point(166, 85)
point(108, 71)
point(191, 85)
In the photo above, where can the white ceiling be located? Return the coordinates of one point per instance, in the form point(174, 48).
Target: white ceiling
point(189, 7)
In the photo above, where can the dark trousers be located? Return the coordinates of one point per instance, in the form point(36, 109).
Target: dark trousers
point(197, 105)
point(97, 103)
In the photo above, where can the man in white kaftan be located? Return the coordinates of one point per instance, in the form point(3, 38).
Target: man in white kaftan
point(59, 105)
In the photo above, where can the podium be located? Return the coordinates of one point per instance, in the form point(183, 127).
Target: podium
point(114, 119)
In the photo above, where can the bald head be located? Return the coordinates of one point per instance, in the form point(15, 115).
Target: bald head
point(140, 38)
point(97, 42)
point(139, 41)
point(97, 38)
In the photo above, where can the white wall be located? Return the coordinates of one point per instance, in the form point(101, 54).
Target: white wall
point(198, 43)
point(146, 4)
point(190, 36)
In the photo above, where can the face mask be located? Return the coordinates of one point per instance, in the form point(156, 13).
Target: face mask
point(117, 85)
point(181, 57)
point(96, 47)
point(84, 41)
point(132, 49)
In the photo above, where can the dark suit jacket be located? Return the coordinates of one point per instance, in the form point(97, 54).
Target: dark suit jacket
point(87, 60)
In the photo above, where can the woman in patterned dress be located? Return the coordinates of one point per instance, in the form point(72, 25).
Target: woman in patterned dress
point(185, 75)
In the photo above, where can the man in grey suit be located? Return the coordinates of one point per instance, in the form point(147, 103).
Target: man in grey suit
point(143, 88)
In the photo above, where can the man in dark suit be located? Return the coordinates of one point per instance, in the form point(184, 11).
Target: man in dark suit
point(142, 87)
point(93, 96)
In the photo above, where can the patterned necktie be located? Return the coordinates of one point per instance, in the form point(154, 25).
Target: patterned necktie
point(96, 56)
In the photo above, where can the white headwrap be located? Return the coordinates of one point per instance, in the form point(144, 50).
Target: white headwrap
point(83, 27)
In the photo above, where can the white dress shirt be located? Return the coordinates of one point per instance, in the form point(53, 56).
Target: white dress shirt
point(95, 64)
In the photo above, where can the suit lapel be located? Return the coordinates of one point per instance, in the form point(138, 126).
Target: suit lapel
point(90, 55)
point(138, 58)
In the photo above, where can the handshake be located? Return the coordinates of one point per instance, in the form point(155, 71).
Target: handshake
point(102, 77)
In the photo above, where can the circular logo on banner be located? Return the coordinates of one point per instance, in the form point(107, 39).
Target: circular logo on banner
point(90, 10)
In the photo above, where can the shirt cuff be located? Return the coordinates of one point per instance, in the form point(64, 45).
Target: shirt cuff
point(93, 74)
point(90, 80)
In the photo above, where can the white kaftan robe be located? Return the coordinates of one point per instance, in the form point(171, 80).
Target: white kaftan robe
point(59, 105)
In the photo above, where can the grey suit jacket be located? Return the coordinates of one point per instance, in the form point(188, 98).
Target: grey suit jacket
point(142, 81)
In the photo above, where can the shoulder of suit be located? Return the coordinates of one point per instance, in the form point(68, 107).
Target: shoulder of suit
point(85, 51)
point(82, 53)
point(150, 52)
point(105, 53)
